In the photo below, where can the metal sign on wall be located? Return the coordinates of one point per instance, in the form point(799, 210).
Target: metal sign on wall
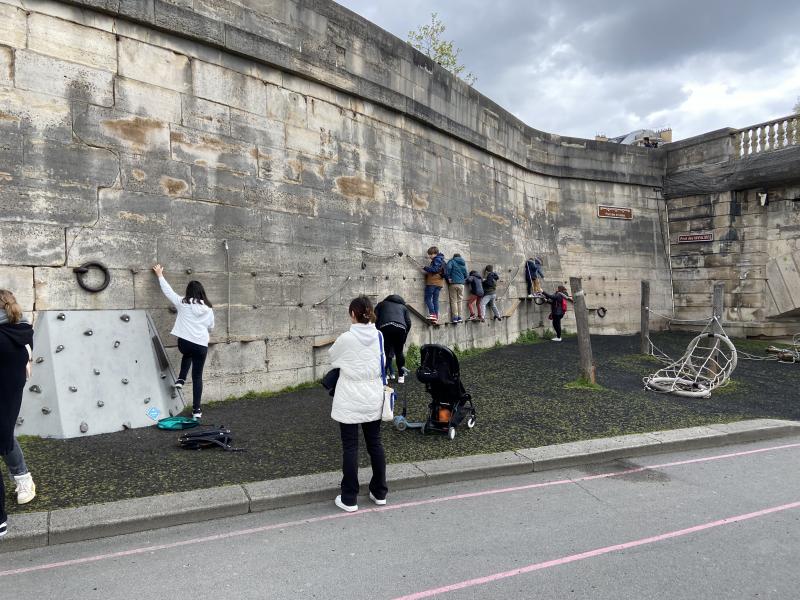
point(692, 238)
point(614, 212)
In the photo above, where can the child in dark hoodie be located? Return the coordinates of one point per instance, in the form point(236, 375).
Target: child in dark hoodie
point(475, 288)
point(434, 282)
point(456, 275)
point(490, 279)
point(534, 276)
point(394, 321)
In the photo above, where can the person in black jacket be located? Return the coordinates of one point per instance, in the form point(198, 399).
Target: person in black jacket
point(394, 321)
point(558, 303)
point(490, 279)
point(16, 343)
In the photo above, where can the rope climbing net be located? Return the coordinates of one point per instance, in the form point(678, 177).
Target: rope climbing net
point(707, 364)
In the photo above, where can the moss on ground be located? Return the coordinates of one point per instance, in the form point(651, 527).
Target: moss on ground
point(519, 393)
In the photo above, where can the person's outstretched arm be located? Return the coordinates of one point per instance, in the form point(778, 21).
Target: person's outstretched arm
point(165, 287)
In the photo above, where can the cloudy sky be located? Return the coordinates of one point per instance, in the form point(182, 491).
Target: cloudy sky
point(582, 67)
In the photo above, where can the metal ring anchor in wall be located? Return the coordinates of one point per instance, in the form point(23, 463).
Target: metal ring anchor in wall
point(601, 311)
point(81, 271)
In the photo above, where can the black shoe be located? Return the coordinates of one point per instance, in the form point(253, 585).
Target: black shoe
point(178, 384)
point(498, 318)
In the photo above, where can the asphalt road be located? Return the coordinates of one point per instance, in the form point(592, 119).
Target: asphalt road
point(719, 523)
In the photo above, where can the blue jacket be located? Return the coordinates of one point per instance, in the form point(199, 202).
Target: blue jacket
point(456, 270)
point(533, 270)
point(435, 271)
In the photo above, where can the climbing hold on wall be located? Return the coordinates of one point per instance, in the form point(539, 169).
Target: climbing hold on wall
point(59, 348)
point(324, 260)
point(189, 271)
point(97, 371)
point(173, 310)
point(100, 404)
point(20, 421)
point(163, 376)
point(125, 318)
point(72, 388)
point(40, 360)
point(88, 332)
point(300, 304)
point(116, 344)
point(46, 411)
point(126, 425)
point(84, 427)
point(363, 265)
point(399, 254)
point(61, 317)
point(253, 273)
point(84, 268)
point(35, 389)
point(147, 400)
point(125, 381)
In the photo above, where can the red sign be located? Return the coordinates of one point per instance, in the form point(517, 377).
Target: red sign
point(691, 238)
point(614, 212)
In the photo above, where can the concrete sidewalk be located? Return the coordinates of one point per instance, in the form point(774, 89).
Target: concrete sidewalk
point(33, 530)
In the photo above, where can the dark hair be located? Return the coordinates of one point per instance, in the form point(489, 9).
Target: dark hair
point(488, 269)
point(433, 250)
point(562, 289)
point(196, 292)
point(361, 309)
point(456, 255)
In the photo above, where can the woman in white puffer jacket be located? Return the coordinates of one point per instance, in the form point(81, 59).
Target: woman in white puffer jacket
point(359, 400)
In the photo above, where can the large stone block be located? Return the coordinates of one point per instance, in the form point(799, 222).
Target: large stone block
point(110, 128)
point(131, 211)
point(19, 280)
point(220, 186)
point(156, 176)
point(57, 289)
point(39, 114)
point(69, 165)
point(189, 217)
point(6, 66)
point(72, 42)
point(31, 244)
point(56, 77)
point(171, 17)
point(200, 254)
point(157, 66)
point(234, 358)
point(286, 106)
point(34, 201)
point(140, 98)
point(13, 26)
point(115, 249)
point(262, 131)
point(229, 87)
point(289, 353)
point(205, 115)
point(213, 150)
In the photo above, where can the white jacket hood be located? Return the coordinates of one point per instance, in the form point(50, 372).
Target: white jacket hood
point(366, 334)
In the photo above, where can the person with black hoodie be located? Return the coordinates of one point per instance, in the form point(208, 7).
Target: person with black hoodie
point(393, 320)
point(16, 352)
point(490, 279)
point(558, 306)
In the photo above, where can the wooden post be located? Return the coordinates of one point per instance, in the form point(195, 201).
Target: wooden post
point(645, 317)
point(582, 322)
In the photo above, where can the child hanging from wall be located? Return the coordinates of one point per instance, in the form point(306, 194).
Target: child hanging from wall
point(534, 276)
point(490, 279)
point(558, 307)
point(434, 282)
point(456, 275)
point(475, 288)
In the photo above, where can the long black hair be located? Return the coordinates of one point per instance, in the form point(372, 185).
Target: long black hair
point(195, 292)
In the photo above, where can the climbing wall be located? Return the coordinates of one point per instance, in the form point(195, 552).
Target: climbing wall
point(96, 371)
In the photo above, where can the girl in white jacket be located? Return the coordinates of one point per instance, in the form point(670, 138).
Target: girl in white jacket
point(359, 400)
point(195, 319)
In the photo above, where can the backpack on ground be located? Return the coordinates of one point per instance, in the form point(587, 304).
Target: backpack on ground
point(209, 437)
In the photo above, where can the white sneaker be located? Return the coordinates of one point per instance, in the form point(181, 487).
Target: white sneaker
point(345, 507)
point(197, 414)
point(178, 384)
point(401, 379)
point(376, 501)
point(26, 489)
point(3, 528)
point(555, 340)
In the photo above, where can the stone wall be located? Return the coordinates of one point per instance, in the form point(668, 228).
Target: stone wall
point(319, 148)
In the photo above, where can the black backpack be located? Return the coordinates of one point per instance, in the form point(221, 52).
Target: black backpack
point(208, 438)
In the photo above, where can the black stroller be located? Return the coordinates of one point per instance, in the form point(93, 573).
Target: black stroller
point(450, 403)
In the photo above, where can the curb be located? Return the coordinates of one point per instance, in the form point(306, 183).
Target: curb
point(35, 530)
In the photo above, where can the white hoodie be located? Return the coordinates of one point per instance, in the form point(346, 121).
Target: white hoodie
point(194, 320)
point(359, 390)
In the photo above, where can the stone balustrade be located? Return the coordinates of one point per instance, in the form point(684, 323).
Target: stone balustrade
point(766, 137)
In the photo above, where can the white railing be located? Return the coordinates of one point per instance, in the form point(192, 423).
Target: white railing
point(765, 137)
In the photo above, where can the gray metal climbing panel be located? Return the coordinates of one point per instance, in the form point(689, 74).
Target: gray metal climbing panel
point(96, 371)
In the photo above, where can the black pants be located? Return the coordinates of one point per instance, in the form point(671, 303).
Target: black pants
point(372, 436)
point(394, 338)
point(557, 325)
point(194, 355)
point(13, 359)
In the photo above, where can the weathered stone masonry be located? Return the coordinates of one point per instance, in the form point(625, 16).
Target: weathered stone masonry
point(319, 147)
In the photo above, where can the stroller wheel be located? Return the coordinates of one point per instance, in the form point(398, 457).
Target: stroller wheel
point(400, 423)
point(451, 433)
point(471, 422)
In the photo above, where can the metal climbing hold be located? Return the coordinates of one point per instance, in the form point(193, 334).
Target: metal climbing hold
point(125, 381)
point(116, 344)
point(46, 411)
point(126, 425)
point(35, 389)
point(61, 317)
point(100, 404)
point(72, 388)
point(163, 376)
point(84, 427)
point(40, 360)
point(189, 271)
point(88, 332)
point(20, 421)
point(172, 309)
point(97, 371)
point(253, 273)
point(125, 318)
point(59, 348)
point(147, 400)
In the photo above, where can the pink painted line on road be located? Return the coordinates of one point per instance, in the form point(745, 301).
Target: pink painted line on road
point(596, 552)
point(391, 507)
